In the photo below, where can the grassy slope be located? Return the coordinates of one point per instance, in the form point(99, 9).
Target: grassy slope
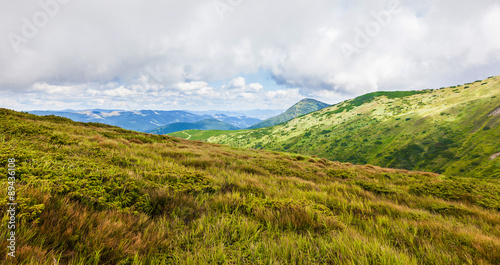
point(208, 124)
point(303, 107)
point(96, 194)
point(447, 131)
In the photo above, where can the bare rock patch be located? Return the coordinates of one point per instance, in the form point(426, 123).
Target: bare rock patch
point(494, 156)
point(495, 112)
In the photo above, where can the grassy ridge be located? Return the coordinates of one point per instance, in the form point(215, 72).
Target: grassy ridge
point(97, 194)
point(453, 131)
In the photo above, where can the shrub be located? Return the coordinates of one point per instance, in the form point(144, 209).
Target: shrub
point(375, 187)
point(173, 205)
point(251, 169)
point(135, 141)
point(341, 173)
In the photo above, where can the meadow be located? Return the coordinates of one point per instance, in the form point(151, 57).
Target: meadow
point(90, 193)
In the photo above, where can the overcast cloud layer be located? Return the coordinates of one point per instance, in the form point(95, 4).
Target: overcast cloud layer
point(197, 54)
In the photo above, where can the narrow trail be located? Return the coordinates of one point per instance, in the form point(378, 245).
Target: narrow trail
point(189, 135)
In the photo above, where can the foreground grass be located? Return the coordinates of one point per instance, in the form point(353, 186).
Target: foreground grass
point(97, 194)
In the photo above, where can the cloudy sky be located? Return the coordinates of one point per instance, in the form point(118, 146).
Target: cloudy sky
point(237, 54)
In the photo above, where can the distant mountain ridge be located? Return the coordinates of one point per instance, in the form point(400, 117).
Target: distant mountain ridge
point(145, 120)
point(239, 121)
point(208, 124)
point(302, 107)
point(261, 114)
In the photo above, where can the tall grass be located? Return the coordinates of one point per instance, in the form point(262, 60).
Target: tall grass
point(96, 194)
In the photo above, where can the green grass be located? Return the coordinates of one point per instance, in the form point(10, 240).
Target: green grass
point(450, 131)
point(367, 98)
point(197, 134)
point(97, 194)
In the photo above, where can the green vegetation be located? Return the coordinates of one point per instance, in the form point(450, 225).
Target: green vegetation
point(98, 194)
point(452, 131)
point(367, 98)
point(303, 107)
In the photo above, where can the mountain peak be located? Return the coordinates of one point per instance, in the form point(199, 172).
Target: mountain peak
point(303, 107)
point(310, 100)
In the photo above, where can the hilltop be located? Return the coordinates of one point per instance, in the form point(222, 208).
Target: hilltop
point(90, 193)
point(453, 131)
point(302, 107)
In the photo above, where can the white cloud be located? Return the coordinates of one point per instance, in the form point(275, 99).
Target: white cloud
point(191, 95)
point(52, 89)
point(238, 82)
point(248, 96)
point(284, 94)
point(256, 86)
point(119, 92)
point(168, 53)
point(191, 86)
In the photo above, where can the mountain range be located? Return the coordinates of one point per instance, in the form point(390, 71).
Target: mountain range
point(453, 131)
point(146, 120)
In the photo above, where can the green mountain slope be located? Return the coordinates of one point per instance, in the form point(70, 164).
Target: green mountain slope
point(208, 124)
point(303, 107)
point(97, 194)
point(454, 131)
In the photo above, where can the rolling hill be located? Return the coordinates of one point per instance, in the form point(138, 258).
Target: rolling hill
point(208, 124)
point(453, 131)
point(303, 107)
point(90, 193)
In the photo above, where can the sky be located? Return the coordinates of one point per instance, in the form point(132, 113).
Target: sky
point(237, 54)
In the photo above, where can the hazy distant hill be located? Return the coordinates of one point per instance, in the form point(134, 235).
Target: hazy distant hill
point(208, 124)
point(145, 120)
point(303, 107)
point(237, 121)
point(452, 130)
point(261, 114)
